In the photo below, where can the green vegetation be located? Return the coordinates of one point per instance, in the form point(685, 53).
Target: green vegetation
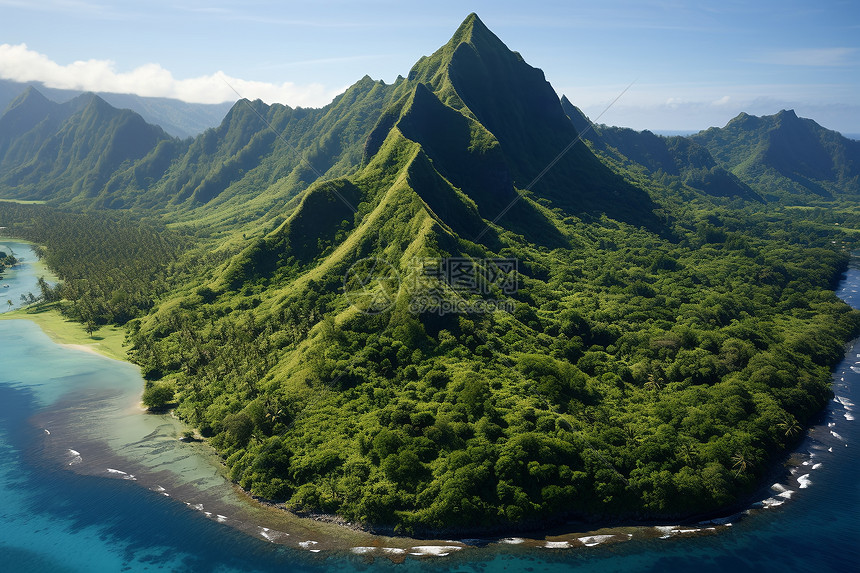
point(76, 145)
point(6, 260)
point(632, 376)
point(787, 158)
point(111, 268)
point(677, 160)
point(158, 396)
point(670, 334)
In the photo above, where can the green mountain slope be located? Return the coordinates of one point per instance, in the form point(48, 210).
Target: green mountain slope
point(27, 122)
point(368, 349)
point(68, 151)
point(243, 173)
point(479, 76)
point(786, 157)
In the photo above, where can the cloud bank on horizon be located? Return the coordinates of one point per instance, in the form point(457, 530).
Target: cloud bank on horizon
point(21, 64)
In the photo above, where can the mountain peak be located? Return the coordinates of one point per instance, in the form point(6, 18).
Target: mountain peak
point(23, 114)
point(743, 121)
point(83, 100)
point(31, 91)
point(785, 155)
point(472, 35)
point(476, 74)
point(481, 39)
point(472, 27)
point(29, 98)
point(787, 117)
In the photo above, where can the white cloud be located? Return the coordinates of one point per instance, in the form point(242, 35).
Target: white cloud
point(19, 63)
point(722, 101)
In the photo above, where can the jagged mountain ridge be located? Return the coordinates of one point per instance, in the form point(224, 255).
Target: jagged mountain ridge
point(27, 122)
point(68, 151)
point(177, 118)
point(478, 75)
point(784, 156)
point(460, 170)
point(676, 156)
point(260, 158)
point(424, 179)
point(242, 172)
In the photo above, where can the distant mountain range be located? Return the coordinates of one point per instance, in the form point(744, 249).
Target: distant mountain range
point(675, 156)
point(69, 151)
point(777, 157)
point(178, 118)
point(780, 157)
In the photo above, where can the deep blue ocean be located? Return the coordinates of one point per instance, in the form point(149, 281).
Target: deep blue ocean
point(84, 482)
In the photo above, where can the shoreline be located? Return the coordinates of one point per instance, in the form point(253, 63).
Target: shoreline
point(39, 266)
point(578, 531)
point(107, 341)
point(332, 536)
point(83, 348)
point(71, 335)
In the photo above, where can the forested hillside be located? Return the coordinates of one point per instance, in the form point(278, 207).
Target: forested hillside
point(111, 268)
point(409, 309)
point(787, 157)
point(67, 152)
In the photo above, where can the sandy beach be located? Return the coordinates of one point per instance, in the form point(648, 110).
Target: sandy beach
point(86, 348)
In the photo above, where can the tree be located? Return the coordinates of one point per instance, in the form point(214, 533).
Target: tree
point(742, 462)
point(654, 383)
point(687, 452)
point(789, 425)
point(48, 294)
point(158, 396)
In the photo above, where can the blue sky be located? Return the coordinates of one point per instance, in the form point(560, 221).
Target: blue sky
point(695, 64)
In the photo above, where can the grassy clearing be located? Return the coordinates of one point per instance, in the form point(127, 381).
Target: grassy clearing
point(21, 202)
point(107, 341)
